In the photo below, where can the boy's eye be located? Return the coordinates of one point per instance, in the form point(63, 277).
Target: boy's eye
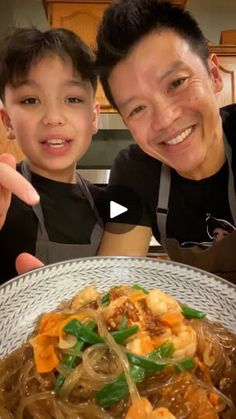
point(73, 99)
point(29, 101)
point(136, 110)
point(178, 82)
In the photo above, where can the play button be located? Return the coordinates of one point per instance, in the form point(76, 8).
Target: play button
point(116, 209)
point(121, 209)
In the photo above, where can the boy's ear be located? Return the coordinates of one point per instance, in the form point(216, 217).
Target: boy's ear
point(7, 124)
point(96, 112)
point(215, 73)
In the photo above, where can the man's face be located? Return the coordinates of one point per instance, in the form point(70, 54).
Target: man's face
point(167, 99)
point(53, 116)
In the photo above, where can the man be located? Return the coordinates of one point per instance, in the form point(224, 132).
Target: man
point(155, 68)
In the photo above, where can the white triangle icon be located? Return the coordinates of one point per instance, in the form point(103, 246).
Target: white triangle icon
point(116, 209)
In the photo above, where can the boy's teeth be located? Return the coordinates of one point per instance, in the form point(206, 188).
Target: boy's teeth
point(180, 137)
point(56, 142)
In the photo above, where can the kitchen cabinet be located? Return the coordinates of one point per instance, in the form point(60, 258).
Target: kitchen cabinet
point(83, 18)
point(228, 37)
point(227, 60)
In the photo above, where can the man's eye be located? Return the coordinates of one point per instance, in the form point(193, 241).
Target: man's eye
point(73, 99)
point(177, 83)
point(29, 101)
point(137, 110)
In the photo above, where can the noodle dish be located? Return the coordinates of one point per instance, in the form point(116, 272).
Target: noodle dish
point(127, 352)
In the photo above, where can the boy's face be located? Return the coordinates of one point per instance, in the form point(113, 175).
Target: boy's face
point(167, 100)
point(53, 116)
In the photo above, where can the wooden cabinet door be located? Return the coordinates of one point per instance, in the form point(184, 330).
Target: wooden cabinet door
point(228, 72)
point(83, 19)
point(227, 61)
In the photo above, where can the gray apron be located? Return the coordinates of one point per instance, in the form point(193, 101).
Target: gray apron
point(219, 258)
point(50, 252)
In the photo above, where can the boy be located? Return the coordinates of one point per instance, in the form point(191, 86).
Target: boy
point(47, 86)
point(155, 68)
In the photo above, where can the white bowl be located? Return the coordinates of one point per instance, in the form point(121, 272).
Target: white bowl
point(24, 298)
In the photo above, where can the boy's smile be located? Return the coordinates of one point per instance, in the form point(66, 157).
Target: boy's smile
point(53, 116)
point(166, 97)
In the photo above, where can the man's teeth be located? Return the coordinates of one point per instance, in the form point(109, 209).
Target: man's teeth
point(180, 137)
point(56, 142)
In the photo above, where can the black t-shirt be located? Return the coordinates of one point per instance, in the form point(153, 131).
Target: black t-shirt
point(190, 201)
point(68, 218)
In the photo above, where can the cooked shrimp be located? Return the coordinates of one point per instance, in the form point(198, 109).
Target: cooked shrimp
point(159, 302)
point(83, 297)
point(161, 413)
point(142, 409)
point(184, 341)
point(140, 344)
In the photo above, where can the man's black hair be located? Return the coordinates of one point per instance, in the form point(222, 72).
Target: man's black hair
point(126, 22)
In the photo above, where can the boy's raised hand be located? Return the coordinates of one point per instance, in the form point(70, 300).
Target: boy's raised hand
point(13, 182)
point(26, 262)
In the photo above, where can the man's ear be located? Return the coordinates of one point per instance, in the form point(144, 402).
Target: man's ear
point(96, 112)
point(215, 73)
point(7, 124)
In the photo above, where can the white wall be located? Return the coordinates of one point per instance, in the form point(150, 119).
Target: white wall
point(213, 16)
point(29, 13)
point(21, 13)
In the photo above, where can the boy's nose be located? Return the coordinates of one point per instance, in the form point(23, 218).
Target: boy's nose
point(53, 116)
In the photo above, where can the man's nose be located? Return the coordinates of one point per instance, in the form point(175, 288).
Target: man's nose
point(53, 115)
point(164, 114)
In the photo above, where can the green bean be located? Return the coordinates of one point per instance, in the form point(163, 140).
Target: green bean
point(118, 388)
point(139, 288)
point(69, 360)
point(192, 313)
point(78, 329)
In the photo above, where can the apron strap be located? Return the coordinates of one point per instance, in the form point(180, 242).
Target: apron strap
point(164, 192)
point(231, 187)
point(88, 195)
point(163, 201)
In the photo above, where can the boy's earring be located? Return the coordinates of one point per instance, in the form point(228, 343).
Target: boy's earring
point(10, 133)
point(7, 124)
point(95, 129)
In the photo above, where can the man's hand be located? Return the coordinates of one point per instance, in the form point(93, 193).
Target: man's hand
point(13, 182)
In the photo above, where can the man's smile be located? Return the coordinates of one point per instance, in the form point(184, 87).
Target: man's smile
point(180, 137)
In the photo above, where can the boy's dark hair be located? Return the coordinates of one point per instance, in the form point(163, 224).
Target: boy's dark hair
point(27, 45)
point(126, 22)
